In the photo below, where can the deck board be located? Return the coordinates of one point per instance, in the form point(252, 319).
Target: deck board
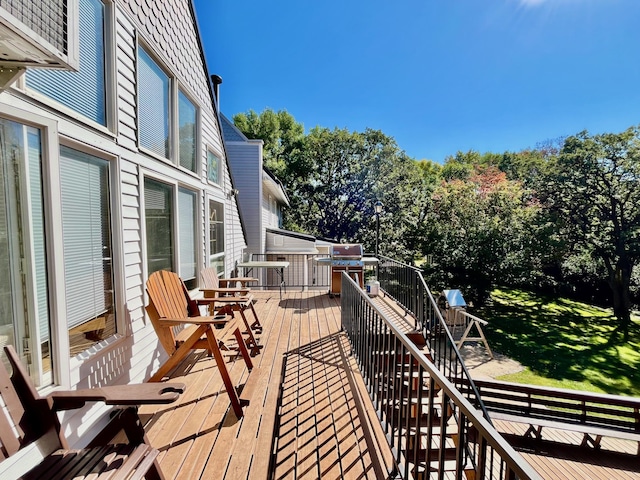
point(302, 420)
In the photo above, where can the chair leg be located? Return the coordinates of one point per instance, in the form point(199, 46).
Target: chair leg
point(231, 389)
point(255, 325)
point(251, 342)
point(177, 356)
point(243, 348)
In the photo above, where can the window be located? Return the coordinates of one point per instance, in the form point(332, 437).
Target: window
point(167, 118)
point(88, 262)
point(213, 167)
point(153, 105)
point(216, 235)
point(161, 225)
point(158, 201)
point(187, 132)
point(81, 221)
point(187, 226)
point(24, 303)
point(82, 91)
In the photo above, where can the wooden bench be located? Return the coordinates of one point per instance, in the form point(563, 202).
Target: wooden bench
point(34, 445)
point(594, 415)
point(589, 431)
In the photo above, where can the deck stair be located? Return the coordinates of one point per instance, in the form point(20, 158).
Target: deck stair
point(418, 413)
point(424, 426)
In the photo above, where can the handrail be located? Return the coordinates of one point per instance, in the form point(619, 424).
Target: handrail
point(406, 285)
point(415, 402)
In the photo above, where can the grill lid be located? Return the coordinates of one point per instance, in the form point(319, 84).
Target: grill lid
point(347, 251)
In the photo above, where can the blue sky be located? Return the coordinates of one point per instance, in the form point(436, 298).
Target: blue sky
point(437, 75)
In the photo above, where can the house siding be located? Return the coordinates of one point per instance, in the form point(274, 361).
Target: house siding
point(135, 353)
point(247, 170)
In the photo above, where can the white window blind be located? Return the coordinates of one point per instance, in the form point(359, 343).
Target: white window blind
point(86, 232)
point(158, 210)
point(82, 91)
point(153, 105)
point(186, 227)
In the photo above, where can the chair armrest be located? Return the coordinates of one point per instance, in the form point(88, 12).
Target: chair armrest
point(224, 290)
point(241, 280)
point(224, 300)
point(208, 320)
point(139, 394)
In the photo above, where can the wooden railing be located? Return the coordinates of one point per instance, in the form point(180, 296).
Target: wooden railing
point(432, 429)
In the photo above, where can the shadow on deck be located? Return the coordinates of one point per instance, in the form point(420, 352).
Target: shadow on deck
point(303, 420)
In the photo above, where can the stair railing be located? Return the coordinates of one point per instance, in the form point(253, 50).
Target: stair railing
point(431, 427)
point(406, 285)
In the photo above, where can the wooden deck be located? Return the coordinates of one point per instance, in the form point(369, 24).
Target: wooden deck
point(303, 420)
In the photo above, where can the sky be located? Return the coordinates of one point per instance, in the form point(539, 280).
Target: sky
point(439, 76)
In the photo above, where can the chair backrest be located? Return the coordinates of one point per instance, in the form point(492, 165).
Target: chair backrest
point(209, 277)
point(167, 292)
point(168, 298)
point(31, 416)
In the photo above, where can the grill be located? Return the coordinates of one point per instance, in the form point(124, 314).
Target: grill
point(346, 258)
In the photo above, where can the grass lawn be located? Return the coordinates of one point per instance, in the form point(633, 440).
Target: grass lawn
point(563, 343)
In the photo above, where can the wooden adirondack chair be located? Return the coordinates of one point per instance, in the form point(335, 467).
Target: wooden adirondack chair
point(34, 446)
point(227, 297)
point(180, 328)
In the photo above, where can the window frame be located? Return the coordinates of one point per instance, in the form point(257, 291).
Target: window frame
point(223, 253)
point(110, 81)
point(62, 362)
point(170, 106)
point(214, 152)
point(175, 88)
point(196, 138)
point(176, 186)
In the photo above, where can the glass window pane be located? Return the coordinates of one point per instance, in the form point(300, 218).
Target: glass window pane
point(187, 227)
point(216, 235)
point(86, 230)
point(187, 134)
point(24, 307)
point(213, 163)
point(84, 90)
point(158, 210)
point(153, 105)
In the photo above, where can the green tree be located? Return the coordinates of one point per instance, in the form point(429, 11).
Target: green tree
point(280, 132)
point(483, 232)
point(336, 177)
point(594, 190)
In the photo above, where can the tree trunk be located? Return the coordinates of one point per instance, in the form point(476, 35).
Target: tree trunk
point(619, 281)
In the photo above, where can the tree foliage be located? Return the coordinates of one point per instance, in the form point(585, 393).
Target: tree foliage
point(594, 191)
point(483, 232)
point(279, 131)
point(562, 217)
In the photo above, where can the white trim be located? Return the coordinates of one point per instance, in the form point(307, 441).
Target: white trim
point(110, 81)
point(175, 185)
point(59, 344)
point(117, 244)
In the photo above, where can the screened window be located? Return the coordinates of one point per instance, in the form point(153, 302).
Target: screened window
point(153, 105)
point(213, 166)
point(88, 264)
point(158, 199)
point(216, 235)
point(186, 228)
point(187, 133)
point(82, 91)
